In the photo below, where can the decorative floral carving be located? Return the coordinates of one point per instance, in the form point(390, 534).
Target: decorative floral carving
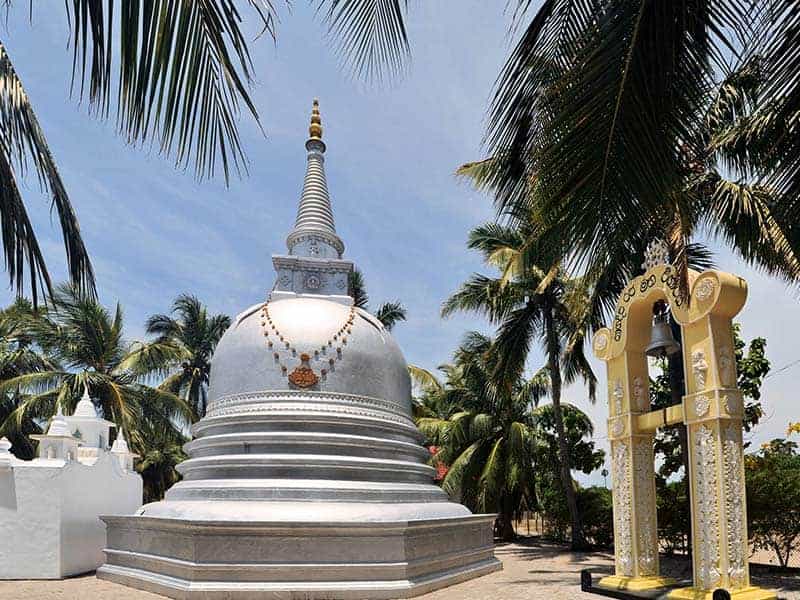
point(306, 397)
point(601, 341)
point(341, 284)
point(657, 253)
point(707, 516)
point(617, 427)
point(730, 404)
point(313, 281)
point(299, 238)
point(639, 393)
point(286, 279)
point(619, 394)
point(726, 366)
point(646, 501)
point(734, 511)
point(701, 405)
point(620, 467)
point(704, 289)
point(699, 368)
point(333, 408)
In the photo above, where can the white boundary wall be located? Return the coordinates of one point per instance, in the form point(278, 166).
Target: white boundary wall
point(49, 514)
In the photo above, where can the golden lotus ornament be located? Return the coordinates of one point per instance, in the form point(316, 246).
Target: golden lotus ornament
point(304, 376)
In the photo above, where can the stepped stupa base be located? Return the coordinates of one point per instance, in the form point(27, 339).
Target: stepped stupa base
point(233, 560)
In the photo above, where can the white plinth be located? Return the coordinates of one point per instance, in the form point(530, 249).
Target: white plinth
point(322, 560)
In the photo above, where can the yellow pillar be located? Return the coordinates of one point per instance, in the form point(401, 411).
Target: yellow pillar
point(633, 478)
point(713, 410)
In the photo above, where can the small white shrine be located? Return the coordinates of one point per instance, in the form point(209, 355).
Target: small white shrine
point(50, 506)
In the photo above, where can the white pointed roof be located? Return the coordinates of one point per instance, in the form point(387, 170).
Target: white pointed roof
point(85, 408)
point(120, 445)
point(86, 412)
point(6, 458)
point(58, 426)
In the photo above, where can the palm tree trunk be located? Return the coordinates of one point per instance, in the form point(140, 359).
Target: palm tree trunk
point(578, 541)
point(507, 533)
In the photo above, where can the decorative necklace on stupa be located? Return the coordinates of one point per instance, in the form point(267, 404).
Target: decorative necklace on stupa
point(303, 374)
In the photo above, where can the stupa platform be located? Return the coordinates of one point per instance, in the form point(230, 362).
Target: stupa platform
point(243, 559)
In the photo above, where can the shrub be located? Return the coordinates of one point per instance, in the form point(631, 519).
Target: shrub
point(773, 498)
point(597, 513)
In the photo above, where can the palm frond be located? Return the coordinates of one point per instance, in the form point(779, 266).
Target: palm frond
point(513, 343)
point(774, 127)
point(498, 243)
point(481, 426)
point(479, 172)
point(358, 289)
point(390, 313)
point(34, 383)
point(433, 428)
point(426, 380)
point(744, 215)
point(490, 481)
point(634, 77)
point(459, 470)
point(162, 403)
point(576, 364)
point(183, 71)
point(23, 144)
point(152, 358)
point(369, 35)
point(536, 388)
point(484, 295)
point(37, 407)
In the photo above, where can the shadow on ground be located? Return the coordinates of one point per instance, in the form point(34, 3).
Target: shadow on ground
point(551, 567)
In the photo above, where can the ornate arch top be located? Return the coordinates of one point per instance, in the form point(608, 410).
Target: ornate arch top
point(711, 292)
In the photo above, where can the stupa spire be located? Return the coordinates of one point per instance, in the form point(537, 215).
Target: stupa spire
point(314, 213)
point(314, 263)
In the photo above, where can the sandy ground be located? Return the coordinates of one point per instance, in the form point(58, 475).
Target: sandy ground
point(530, 570)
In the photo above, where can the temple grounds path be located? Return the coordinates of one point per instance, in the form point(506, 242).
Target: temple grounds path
point(530, 570)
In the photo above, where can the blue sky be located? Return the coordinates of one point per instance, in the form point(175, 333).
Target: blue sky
point(154, 231)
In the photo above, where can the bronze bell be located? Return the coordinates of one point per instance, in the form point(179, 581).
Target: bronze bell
point(662, 343)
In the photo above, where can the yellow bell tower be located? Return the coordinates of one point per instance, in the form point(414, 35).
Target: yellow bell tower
point(712, 410)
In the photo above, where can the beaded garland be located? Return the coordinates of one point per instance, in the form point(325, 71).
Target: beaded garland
point(303, 375)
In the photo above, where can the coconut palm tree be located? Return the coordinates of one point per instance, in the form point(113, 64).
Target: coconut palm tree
point(487, 439)
point(160, 454)
point(86, 349)
point(496, 444)
point(188, 336)
point(388, 313)
point(18, 356)
point(529, 304)
point(578, 427)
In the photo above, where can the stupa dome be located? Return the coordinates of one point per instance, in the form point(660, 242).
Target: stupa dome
point(370, 363)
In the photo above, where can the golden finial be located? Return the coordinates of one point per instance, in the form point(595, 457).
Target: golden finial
point(315, 129)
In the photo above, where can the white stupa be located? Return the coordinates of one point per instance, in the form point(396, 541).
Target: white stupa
point(306, 477)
